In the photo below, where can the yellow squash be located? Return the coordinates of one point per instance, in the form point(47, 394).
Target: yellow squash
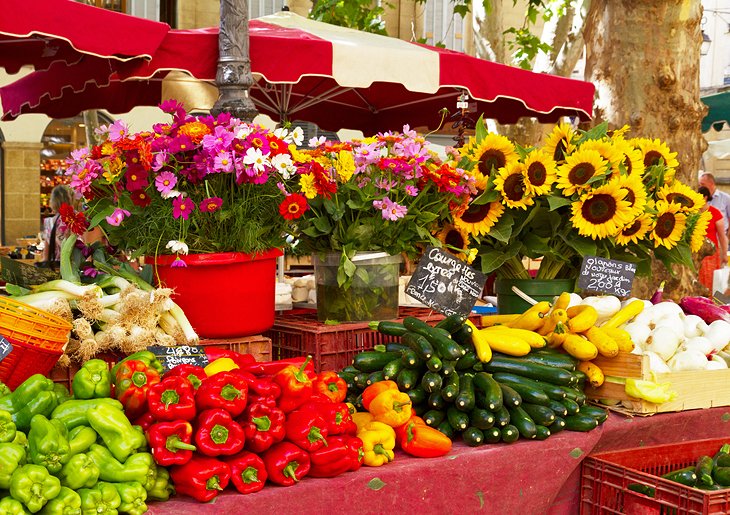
point(623, 338)
point(532, 319)
point(593, 373)
point(505, 341)
point(628, 312)
point(581, 318)
point(579, 347)
point(605, 344)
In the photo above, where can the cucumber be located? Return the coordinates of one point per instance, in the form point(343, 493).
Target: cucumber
point(433, 417)
point(372, 361)
point(558, 425)
point(467, 361)
point(442, 332)
point(492, 435)
point(575, 395)
point(541, 415)
point(361, 380)
point(463, 336)
point(501, 417)
point(685, 476)
point(457, 419)
point(431, 382)
point(527, 392)
point(452, 323)
point(558, 408)
point(420, 409)
point(391, 328)
point(444, 346)
point(434, 364)
point(446, 428)
point(418, 396)
point(419, 344)
point(350, 382)
point(395, 347)
point(571, 406)
point(349, 369)
point(473, 437)
point(391, 369)
point(490, 390)
point(375, 377)
point(436, 401)
point(510, 434)
point(543, 433)
point(523, 422)
point(410, 359)
point(358, 403)
point(481, 418)
point(523, 368)
point(600, 414)
point(510, 397)
point(703, 469)
point(450, 388)
point(465, 401)
point(448, 368)
point(407, 379)
point(551, 359)
point(580, 423)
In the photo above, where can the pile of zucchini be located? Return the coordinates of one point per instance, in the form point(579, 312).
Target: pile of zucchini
point(502, 400)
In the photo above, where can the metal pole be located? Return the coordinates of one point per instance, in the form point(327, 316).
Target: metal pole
point(233, 77)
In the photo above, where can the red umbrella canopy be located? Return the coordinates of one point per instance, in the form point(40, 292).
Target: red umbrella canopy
point(308, 70)
point(40, 32)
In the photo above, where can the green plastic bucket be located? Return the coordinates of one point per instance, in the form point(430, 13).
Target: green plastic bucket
point(539, 289)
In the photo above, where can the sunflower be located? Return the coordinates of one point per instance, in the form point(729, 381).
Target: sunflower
point(679, 193)
point(669, 225)
point(632, 158)
point(698, 229)
point(490, 154)
point(579, 168)
point(608, 151)
point(539, 173)
point(654, 151)
point(510, 182)
point(477, 220)
point(559, 144)
point(602, 212)
point(635, 231)
point(455, 239)
point(635, 192)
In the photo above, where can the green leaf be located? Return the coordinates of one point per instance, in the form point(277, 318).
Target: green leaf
point(323, 225)
point(535, 245)
point(556, 202)
point(582, 246)
point(492, 260)
point(597, 132)
point(481, 129)
point(101, 215)
point(488, 195)
point(502, 230)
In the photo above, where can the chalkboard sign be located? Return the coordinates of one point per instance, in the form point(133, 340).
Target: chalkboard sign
point(606, 276)
point(23, 274)
point(5, 348)
point(445, 283)
point(170, 357)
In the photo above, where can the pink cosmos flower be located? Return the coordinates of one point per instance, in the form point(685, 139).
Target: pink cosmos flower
point(165, 182)
point(118, 130)
point(219, 140)
point(117, 217)
point(411, 190)
point(178, 263)
point(159, 161)
point(223, 162)
point(391, 210)
point(81, 180)
point(211, 205)
point(182, 206)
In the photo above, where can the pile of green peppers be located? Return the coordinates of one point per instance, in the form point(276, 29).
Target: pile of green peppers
point(70, 455)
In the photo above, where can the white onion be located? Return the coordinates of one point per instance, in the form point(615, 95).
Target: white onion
point(656, 363)
point(639, 333)
point(688, 360)
point(664, 341)
point(718, 332)
point(694, 326)
point(700, 344)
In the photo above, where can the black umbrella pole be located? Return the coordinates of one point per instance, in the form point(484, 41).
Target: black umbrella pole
point(233, 76)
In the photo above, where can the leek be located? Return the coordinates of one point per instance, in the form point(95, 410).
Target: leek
point(44, 298)
point(69, 272)
point(75, 289)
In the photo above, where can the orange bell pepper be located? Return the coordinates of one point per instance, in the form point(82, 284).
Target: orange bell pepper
point(374, 390)
point(332, 386)
point(391, 407)
point(422, 441)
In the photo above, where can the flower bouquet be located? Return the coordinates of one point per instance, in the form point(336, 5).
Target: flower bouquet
point(387, 194)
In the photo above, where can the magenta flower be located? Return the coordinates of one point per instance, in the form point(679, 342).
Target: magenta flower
point(219, 140)
point(159, 161)
point(171, 106)
point(391, 210)
point(411, 190)
point(81, 179)
point(117, 217)
point(165, 182)
point(211, 205)
point(118, 130)
point(178, 263)
point(182, 206)
point(136, 177)
point(223, 162)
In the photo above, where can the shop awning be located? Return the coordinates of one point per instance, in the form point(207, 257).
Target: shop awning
point(719, 112)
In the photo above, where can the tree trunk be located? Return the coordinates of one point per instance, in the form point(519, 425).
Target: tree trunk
point(644, 59)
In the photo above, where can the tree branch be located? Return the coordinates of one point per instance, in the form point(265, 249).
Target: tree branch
point(572, 49)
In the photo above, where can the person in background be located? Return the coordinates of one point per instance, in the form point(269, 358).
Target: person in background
point(718, 198)
point(716, 234)
point(54, 231)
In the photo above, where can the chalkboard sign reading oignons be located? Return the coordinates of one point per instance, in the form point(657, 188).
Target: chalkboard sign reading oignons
point(170, 357)
point(5, 348)
point(606, 276)
point(445, 283)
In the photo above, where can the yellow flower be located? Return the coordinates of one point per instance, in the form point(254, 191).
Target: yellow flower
point(608, 151)
point(679, 193)
point(195, 130)
point(635, 192)
point(112, 168)
point(559, 143)
point(699, 231)
point(601, 212)
point(511, 183)
point(345, 165)
point(635, 231)
point(669, 225)
point(490, 154)
point(456, 240)
point(656, 151)
point(107, 148)
point(298, 156)
point(306, 183)
point(478, 220)
point(632, 160)
point(620, 133)
point(580, 167)
point(539, 173)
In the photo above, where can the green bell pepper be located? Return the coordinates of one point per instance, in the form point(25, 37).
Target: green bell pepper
point(80, 472)
point(145, 356)
point(12, 457)
point(62, 393)
point(42, 404)
point(115, 429)
point(103, 499)
point(21, 439)
point(136, 468)
point(34, 486)
point(4, 390)
point(10, 506)
point(48, 444)
point(93, 380)
point(163, 488)
point(67, 502)
point(73, 413)
point(7, 427)
point(27, 390)
point(80, 439)
point(133, 497)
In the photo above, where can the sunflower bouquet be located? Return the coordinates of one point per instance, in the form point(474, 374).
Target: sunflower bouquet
point(581, 193)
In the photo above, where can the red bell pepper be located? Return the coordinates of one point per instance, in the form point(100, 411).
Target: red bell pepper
point(337, 416)
point(242, 360)
point(307, 429)
point(340, 455)
point(263, 425)
point(201, 478)
point(331, 385)
point(132, 380)
point(218, 434)
point(248, 472)
point(257, 399)
point(195, 374)
point(420, 440)
point(286, 463)
point(270, 368)
point(172, 399)
point(296, 386)
point(145, 421)
point(225, 390)
point(170, 442)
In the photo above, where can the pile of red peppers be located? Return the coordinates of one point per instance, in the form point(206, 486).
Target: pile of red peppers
point(249, 423)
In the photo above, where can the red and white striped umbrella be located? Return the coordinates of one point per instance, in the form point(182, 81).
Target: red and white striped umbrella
point(313, 71)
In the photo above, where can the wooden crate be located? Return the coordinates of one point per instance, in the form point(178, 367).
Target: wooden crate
point(696, 389)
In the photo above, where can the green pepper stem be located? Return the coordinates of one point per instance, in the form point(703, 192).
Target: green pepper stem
point(398, 406)
point(169, 397)
point(230, 392)
point(379, 449)
point(332, 387)
point(213, 483)
point(174, 443)
point(139, 379)
point(315, 434)
point(219, 434)
point(290, 469)
point(263, 424)
point(299, 374)
point(250, 475)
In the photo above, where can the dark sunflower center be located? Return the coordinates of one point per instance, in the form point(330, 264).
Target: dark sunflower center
point(514, 187)
point(581, 173)
point(454, 239)
point(599, 209)
point(476, 214)
point(632, 229)
point(680, 199)
point(665, 225)
point(491, 159)
point(630, 196)
point(560, 149)
point(627, 164)
point(652, 158)
point(536, 174)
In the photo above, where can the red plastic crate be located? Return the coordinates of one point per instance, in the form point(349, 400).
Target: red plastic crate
point(332, 347)
point(607, 476)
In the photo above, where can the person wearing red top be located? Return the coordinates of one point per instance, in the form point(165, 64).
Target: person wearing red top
point(715, 233)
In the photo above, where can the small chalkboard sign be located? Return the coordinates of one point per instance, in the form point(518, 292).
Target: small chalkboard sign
point(445, 283)
point(5, 348)
point(23, 274)
point(170, 357)
point(606, 276)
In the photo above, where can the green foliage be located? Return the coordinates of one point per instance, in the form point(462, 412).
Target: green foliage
point(362, 15)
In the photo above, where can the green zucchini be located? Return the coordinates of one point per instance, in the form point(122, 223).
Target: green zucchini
point(478, 367)
point(492, 435)
point(711, 487)
point(703, 469)
point(436, 401)
point(523, 422)
point(721, 475)
point(473, 437)
point(442, 332)
point(390, 328)
point(551, 390)
point(467, 361)
point(510, 397)
point(350, 382)
point(410, 359)
point(581, 377)
point(600, 414)
point(464, 336)
point(361, 380)
point(375, 377)
point(642, 489)
point(417, 395)
point(558, 425)
point(358, 403)
point(391, 369)
point(686, 477)
point(407, 378)
point(433, 417)
point(446, 428)
point(523, 368)
point(445, 347)
point(457, 419)
point(448, 367)
point(481, 418)
point(395, 347)
point(543, 433)
point(575, 395)
point(527, 392)
point(551, 360)
point(450, 388)
point(452, 323)
point(571, 406)
point(465, 400)
point(510, 434)
point(434, 364)
point(580, 423)
point(558, 408)
point(419, 344)
point(501, 417)
point(431, 382)
point(420, 409)
point(490, 390)
point(372, 361)
point(349, 369)
point(542, 415)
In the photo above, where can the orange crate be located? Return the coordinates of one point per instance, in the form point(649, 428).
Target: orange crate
point(298, 333)
point(606, 478)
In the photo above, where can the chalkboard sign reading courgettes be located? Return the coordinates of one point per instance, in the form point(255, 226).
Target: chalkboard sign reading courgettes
point(170, 357)
point(606, 276)
point(5, 348)
point(445, 283)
